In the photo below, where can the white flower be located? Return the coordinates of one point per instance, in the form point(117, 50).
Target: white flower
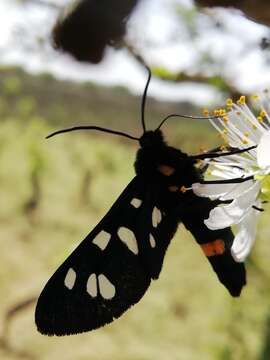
point(242, 181)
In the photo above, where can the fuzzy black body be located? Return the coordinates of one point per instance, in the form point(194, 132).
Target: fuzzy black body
point(92, 25)
point(103, 277)
point(184, 206)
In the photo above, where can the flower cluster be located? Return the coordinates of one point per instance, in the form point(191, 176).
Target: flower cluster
point(242, 180)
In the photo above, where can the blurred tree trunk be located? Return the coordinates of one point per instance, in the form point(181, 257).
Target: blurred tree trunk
point(257, 10)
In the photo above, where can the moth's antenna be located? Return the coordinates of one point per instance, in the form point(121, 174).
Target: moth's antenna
point(144, 97)
point(213, 155)
point(75, 128)
point(187, 117)
point(228, 181)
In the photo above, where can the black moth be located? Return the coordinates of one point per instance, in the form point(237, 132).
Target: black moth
point(114, 265)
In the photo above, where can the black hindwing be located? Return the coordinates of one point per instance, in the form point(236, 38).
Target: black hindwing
point(216, 244)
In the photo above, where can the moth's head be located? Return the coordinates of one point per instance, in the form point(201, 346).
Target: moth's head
point(152, 139)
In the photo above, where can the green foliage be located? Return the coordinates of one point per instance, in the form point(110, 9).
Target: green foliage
point(219, 83)
point(25, 106)
point(164, 73)
point(12, 85)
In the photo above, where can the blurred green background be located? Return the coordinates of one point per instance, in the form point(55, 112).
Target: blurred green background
point(52, 193)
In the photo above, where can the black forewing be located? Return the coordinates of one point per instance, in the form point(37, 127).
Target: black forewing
point(63, 310)
point(162, 224)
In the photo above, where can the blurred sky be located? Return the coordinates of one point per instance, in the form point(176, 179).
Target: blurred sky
point(151, 26)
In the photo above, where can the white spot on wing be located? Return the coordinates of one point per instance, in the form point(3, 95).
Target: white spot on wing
point(128, 238)
point(70, 279)
point(91, 285)
point(156, 217)
point(136, 203)
point(102, 239)
point(152, 241)
point(107, 289)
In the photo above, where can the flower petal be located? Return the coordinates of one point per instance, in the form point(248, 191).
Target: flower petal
point(224, 216)
point(263, 151)
point(213, 191)
point(237, 190)
point(218, 219)
point(245, 236)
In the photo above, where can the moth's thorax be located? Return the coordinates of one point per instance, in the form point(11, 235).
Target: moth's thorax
point(158, 162)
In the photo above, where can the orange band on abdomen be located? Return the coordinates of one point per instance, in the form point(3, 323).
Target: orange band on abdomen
point(216, 247)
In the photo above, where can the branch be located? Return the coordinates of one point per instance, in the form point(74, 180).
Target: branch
point(257, 10)
point(216, 81)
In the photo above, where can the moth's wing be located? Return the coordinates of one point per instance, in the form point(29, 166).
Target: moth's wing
point(162, 225)
point(216, 244)
point(107, 273)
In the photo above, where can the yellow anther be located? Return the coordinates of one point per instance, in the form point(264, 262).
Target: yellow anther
point(263, 113)
point(247, 134)
point(226, 119)
point(254, 127)
point(206, 112)
point(242, 100)
point(260, 119)
point(229, 103)
point(219, 112)
point(223, 148)
point(255, 97)
point(216, 112)
point(223, 112)
point(225, 131)
point(244, 141)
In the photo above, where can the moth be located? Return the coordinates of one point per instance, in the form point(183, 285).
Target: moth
point(87, 27)
point(114, 265)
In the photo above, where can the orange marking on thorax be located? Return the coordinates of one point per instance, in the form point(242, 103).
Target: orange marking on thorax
point(216, 247)
point(166, 170)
